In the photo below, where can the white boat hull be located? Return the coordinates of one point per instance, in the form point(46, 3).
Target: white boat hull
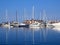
point(35, 25)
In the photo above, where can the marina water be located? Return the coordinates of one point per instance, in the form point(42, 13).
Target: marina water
point(26, 36)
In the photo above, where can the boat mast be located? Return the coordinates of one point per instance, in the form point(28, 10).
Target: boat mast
point(6, 16)
point(40, 16)
point(24, 14)
point(16, 16)
point(33, 12)
point(44, 16)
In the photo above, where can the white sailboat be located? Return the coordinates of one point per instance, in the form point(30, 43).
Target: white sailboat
point(15, 23)
point(35, 24)
point(46, 22)
point(48, 25)
point(6, 24)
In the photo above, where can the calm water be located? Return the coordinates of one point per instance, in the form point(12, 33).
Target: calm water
point(24, 36)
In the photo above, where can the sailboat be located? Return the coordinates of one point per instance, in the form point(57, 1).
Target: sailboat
point(24, 24)
point(15, 23)
point(46, 23)
point(35, 23)
point(6, 24)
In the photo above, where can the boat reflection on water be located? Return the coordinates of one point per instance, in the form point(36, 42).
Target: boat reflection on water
point(56, 29)
point(35, 28)
point(29, 36)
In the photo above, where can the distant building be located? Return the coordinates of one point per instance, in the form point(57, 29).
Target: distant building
point(53, 21)
point(32, 21)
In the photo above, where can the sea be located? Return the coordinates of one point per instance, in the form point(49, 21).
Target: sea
point(29, 36)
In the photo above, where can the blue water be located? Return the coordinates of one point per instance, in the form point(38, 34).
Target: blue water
point(26, 36)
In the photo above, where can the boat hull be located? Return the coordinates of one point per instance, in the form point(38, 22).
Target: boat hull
point(27, 26)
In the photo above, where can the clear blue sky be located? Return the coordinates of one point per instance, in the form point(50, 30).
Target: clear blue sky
point(51, 7)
